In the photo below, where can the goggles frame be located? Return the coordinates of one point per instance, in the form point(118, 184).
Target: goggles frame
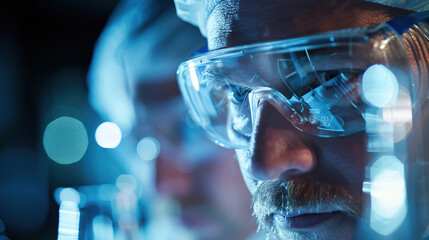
point(398, 26)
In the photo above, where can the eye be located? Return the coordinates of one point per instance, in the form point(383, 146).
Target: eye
point(330, 74)
point(239, 121)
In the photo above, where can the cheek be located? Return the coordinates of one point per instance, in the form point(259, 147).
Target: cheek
point(343, 160)
point(245, 167)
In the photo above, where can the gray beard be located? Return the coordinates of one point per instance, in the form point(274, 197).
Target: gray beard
point(303, 193)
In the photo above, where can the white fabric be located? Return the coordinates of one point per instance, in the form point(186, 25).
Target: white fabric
point(196, 12)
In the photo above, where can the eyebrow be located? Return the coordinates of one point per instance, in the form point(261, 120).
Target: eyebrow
point(213, 75)
point(299, 67)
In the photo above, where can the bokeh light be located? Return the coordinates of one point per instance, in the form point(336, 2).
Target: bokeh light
point(126, 183)
point(148, 148)
point(102, 228)
point(68, 226)
point(70, 194)
point(388, 194)
point(379, 86)
point(401, 110)
point(64, 197)
point(400, 115)
point(108, 135)
point(105, 192)
point(65, 140)
point(4, 238)
point(83, 200)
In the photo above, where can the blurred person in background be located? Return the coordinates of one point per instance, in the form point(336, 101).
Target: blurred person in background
point(188, 187)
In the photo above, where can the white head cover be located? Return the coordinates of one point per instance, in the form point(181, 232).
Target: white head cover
point(196, 12)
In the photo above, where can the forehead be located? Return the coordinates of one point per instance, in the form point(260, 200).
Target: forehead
point(239, 22)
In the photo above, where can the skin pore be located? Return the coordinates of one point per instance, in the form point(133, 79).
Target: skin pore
point(234, 22)
point(324, 172)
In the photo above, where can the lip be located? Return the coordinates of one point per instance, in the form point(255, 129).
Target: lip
point(303, 220)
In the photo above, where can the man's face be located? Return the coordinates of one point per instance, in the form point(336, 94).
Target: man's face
point(304, 187)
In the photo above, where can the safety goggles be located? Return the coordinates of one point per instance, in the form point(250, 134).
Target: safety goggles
point(324, 85)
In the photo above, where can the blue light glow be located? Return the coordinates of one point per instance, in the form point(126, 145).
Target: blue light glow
point(65, 140)
point(399, 115)
point(126, 183)
point(102, 228)
point(194, 77)
point(388, 194)
point(148, 148)
point(68, 226)
point(105, 192)
point(83, 201)
point(108, 135)
point(70, 194)
point(379, 86)
point(57, 193)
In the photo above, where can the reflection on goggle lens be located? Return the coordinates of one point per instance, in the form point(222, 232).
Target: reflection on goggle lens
point(316, 83)
point(323, 103)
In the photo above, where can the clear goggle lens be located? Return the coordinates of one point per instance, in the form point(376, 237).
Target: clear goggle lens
point(323, 85)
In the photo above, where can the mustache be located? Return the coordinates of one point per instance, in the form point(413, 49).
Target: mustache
point(302, 193)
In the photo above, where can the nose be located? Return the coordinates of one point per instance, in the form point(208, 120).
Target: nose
point(277, 148)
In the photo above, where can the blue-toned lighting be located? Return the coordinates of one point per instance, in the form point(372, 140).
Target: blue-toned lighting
point(399, 115)
point(106, 191)
point(68, 226)
point(2, 227)
point(388, 194)
point(61, 196)
point(4, 238)
point(194, 77)
point(379, 86)
point(108, 135)
point(70, 194)
point(57, 193)
point(126, 183)
point(83, 201)
point(148, 148)
point(102, 228)
point(65, 140)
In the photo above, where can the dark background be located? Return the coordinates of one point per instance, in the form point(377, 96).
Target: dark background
point(45, 51)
